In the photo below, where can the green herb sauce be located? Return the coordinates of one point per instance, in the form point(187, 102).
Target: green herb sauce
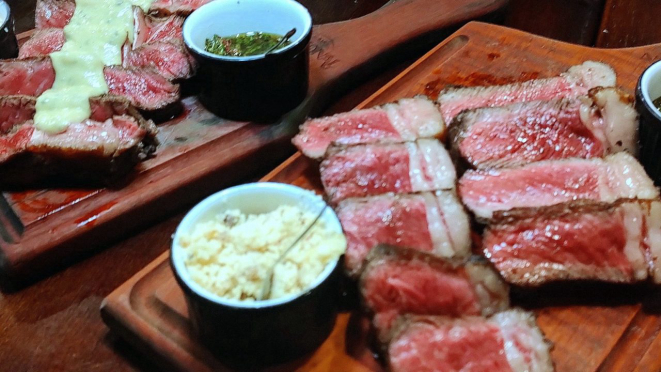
point(657, 103)
point(244, 44)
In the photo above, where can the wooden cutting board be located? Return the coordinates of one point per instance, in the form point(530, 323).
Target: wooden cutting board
point(593, 326)
point(200, 153)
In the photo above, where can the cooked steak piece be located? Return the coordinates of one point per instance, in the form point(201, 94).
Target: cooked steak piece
point(366, 170)
point(602, 123)
point(405, 120)
point(42, 43)
point(576, 241)
point(169, 58)
point(150, 29)
point(90, 151)
point(58, 13)
point(429, 222)
point(573, 83)
point(398, 281)
point(145, 89)
point(555, 181)
point(509, 341)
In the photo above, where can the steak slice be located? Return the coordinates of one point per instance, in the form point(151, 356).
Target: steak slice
point(42, 43)
point(576, 241)
point(150, 29)
point(573, 83)
point(429, 222)
point(398, 281)
point(145, 89)
point(555, 181)
point(406, 120)
point(366, 170)
point(508, 341)
point(89, 152)
point(603, 123)
point(182, 7)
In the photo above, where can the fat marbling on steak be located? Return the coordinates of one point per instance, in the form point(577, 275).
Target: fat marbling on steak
point(577, 81)
point(433, 222)
point(405, 120)
point(544, 183)
point(397, 281)
point(602, 123)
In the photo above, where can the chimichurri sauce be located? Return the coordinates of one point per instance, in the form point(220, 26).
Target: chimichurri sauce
point(244, 44)
point(657, 103)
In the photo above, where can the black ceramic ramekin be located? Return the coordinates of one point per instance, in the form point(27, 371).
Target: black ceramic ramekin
point(649, 89)
point(256, 88)
point(260, 333)
point(8, 42)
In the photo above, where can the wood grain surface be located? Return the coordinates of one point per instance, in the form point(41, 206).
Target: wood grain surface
point(593, 326)
point(199, 152)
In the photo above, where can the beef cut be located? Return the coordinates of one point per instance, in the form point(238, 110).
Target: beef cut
point(573, 83)
point(150, 29)
point(583, 240)
point(145, 89)
point(431, 222)
point(366, 170)
point(406, 120)
point(555, 181)
point(508, 341)
point(604, 122)
point(398, 281)
point(42, 43)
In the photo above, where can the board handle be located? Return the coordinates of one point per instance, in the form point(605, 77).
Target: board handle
point(339, 50)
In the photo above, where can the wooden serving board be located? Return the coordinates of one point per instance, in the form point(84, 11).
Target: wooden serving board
point(594, 327)
point(200, 153)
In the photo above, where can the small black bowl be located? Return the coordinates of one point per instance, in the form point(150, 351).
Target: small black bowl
point(250, 335)
point(649, 89)
point(8, 42)
point(256, 88)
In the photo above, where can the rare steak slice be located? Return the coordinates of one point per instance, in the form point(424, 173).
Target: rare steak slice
point(145, 89)
point(398, 281)
point(366, 170)
point(555, 181)
point(405, 120)
point(573, 83)
point(42, 43)
point(576, 241)
point(150, 29)
point(604, 122)
point(430, 222)
point(507, 342)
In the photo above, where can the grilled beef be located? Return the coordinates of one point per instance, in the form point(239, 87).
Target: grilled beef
point(555, 181)
point(406, 120)
point(398, 281)
point(150, 29)
point(605, 122)
point(145, 89)
point(576, 241)
point(508, 341)
point(573, 83)
point(366, 170)
point(429, 222)
point(42, 43)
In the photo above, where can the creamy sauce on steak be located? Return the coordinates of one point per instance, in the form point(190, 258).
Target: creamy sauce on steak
point(94, 39)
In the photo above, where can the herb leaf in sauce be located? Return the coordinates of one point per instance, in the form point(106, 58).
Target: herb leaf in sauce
point(244, 44)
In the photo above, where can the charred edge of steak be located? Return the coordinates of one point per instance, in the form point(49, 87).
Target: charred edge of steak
point(165, 113)
point(580, 206)
point(625, 97)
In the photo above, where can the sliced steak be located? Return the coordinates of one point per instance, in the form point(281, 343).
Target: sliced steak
point(573, 83)
point(145, 89)
point(603, 123)
point(576, 241)
point(508, 341)
point(406, 120)
point(398, 281)
point(169, 58)
point(182, 7)
point(42, 43)
point(429, 222)
point(150, 29)
point(555, 181)
point(366, 170)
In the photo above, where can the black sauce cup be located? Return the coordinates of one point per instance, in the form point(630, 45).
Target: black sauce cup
point(649, 89)
point(250, 335)
point(8, 42)
point(253, 88)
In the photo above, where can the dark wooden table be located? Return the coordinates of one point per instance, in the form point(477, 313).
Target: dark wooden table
point(54, 324)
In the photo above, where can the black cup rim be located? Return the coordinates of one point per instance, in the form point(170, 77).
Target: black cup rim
point(641, 96)
point(6, 21)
